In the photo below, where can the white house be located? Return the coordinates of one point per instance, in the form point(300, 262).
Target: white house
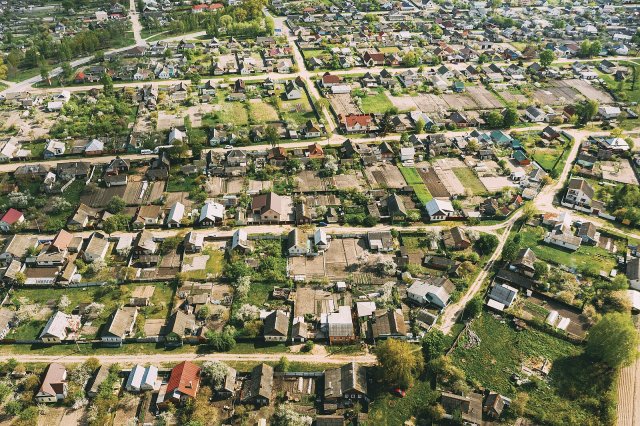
point(59, 326)
point(143, 379)
point(608, 112)
point(439, 209)
point(176, 213)
point(434, 291)
point(211, 214)
point(535, 115)
point(407, 154)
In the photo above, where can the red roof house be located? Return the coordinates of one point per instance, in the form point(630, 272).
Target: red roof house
point(354, 123)
point(184, 382)
point(11, 217)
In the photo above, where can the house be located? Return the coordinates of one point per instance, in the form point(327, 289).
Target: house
point(502, 296)
point(396, 208)
point(561, 236)
point(433, 291)
point(329, 80)
point(456, 239)
point(120, 326)
point(521, 158)
point(439, 209)
point(272, 208)
point(143, 379)
point(54, 384)
point(96, 249)
point(7, 320)
point(183, 384)
point(94, 147)
point(292, 91)
point(298, 243)
point(608, 112)
point(276, 327)
point(525, 261)
point(535, 115)
point(73, 170)
point(148, 216)
point(469, 408)
point(346, 383)
point(211, 214)
point(633, 273)
point(141, 295)
point(258, 390)
point(240, 241)
point(228, 388)
point(373, 59)
point(589, 234)
point(549, 133)
point(11, 218)
point(312, 131)
point(387, 323)
point(53, 148)
point(579, 192)
point(494, 404)
point(179, 326)
point(358, 123)
point(339, 326)
point(380, 241)
point(98, 379)
point(175, 216)
point(321, 240)
point(59, 327)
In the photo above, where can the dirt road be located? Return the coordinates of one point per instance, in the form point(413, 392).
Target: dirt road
point(168, 358)
point(454, 310)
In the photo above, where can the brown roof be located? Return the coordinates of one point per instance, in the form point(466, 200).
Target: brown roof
point(583, 186)
point(62, 240)
point(388, 322)
point(53, 379)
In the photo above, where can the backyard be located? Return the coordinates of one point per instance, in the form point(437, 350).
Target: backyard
point(469, 180)
point(585, 257)
point(376, 103)
point(574, 393)
point(412, 177)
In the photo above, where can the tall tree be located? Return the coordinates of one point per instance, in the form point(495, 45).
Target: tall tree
point(400, 362)
point(107, 84)
point(547, 57)
point(613, 340)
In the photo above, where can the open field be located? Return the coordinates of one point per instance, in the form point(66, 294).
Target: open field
point(376, 103)
point(413, 178)
point(470, 180)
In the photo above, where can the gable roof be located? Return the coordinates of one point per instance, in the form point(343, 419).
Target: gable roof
point(53, 380)
point(261, 382)
point(185, 378)
point(276, 323)
point(349, 377)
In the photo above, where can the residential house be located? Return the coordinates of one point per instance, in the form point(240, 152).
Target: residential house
point(10, 219)
point(120, 326)
point(141, 295)
point(580, 193)
point(276, 327)
point(258, 390)
point(60, 327)
point(183, 385)
point(179, 327)
point(272, 208)
point(633, 273)
point(143, 379)
point(298, 243)
point(339, 326)
point(211, 214)
point(502, 296)
point(96, 249)
point(589, 234)
point(54, 148)
point(535, 115)
point(175, 216)
point(456, 239)
point(434, 291)
point(292, 91)
point(525, 262)
point(346, 383)
point(380, 241)
point(469, 408)
point(54, 384)
point(439, 209)
point(387, 323)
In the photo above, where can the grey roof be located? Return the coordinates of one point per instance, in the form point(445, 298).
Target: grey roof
point(276, 324)
point(633, 269)
point(582, 185)
point(526, 257)
point(261, 382)
point(503, 293)
point(121, 321)
point(349, 377)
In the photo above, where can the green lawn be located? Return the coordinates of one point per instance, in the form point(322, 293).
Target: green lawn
point(262, 112)
point(630, 93)
point(574, 392)
point(179, 182)
point(413, 178)
point(585, 256)
point(214, 266)
point(376, 103)
point(297, 111)
point(110, 297)
point(470, 180)
point(389, 410)
point(313, 53)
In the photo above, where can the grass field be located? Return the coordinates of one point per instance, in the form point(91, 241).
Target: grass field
point(412, 177)
point(586, 256)
point(297, 111)
point(574, 392)
point(389, 410)
point(630, 92)
point(262, 112)
point(470, 180)
point(376, 103)
point(214, 266)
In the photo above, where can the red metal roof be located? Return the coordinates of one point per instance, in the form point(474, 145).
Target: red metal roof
point(11, 216)
point(185, 378)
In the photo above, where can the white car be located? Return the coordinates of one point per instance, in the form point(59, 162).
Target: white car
point(228, 147)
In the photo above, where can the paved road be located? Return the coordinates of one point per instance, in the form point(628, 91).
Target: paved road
point(178, 357)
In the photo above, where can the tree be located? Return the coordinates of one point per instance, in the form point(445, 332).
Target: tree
point(271, 135)
point(510, 117)
point(547, 57)
point(510, 251)
point(486, 244)
point(433, 344)
point(420, 124)
point(3, 69)
point(283, 365)
point(116, 205)
point(587, 110)
point(107, 84)
point(411, 59)
point(613, 340)
point(385, 124)
point(399, 362)
point(495, 120)
point(284, 416)
point(473, 308)
point(540, 269)
point(216, 371)
point(44, 73)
